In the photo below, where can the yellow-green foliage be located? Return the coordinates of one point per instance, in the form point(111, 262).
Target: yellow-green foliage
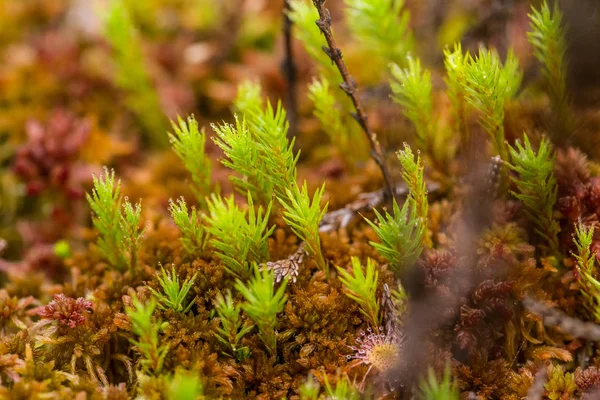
point(303, 216)
point(547, 36)
point(105, 202)
point(249, 102)
point(193, 235)
point(362, 288)
point(242, 156)
point(143, 13)
point(304, 15)
point(309, 390)
point(175, 293)
point(189, 144)
point(185, 385)
point(432, 389)
point(343, 389)
point(413, 175)
point(411, 89)
point(404, 233)
point(147, 330)
point(263, 304)
point(117, 222)
point(131, 233)
point(586, 267)
point(131, 74)
point(257, 147)
point(344, 134)
point(232, 329)
point(455, 63)
point(560, 384)
point(327, 112)
point(381, 27)
point(196, 15)
point(488, 86)
point(238, 236)
point(401, 235)
point(537, 188)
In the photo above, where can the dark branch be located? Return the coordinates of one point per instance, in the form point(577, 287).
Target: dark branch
point(349, 87)
point(555, 318)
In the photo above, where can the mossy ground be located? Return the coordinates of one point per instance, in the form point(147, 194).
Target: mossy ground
point(62, 118)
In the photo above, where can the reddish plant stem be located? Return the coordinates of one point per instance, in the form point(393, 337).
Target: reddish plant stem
point(349, 87)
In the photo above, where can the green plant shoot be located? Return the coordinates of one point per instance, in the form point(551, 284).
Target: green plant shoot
point(268, 128)
point(131, 73)
point(455, 63)
point(413, 175)
point(412, 90)
point(153, 354)
point(488, 86)
point(401, 235)
point(343, 389)
point(175, 293)
point(239, 237)
point(537, 188)
point(547, 36)
point(361, 287)
point(193, 235)
point(303, 14)
point(232, 329)
point(346, 136)
point(189, 144)
point(263, 304)
point(257, 147)
point(432, 389)
point(585, 264)
point(381, 27)
point(185, 385)
point(303, 216)
point(117, 222)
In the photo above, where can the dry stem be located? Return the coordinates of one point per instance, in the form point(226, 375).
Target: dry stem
point(555, 318)
point(349, 87)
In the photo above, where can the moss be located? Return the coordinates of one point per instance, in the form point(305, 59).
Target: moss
point(68, 328)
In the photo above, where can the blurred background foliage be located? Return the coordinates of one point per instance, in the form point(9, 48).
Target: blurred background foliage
point(69, 63)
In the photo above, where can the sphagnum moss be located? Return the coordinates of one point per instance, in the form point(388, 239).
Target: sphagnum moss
point(426, 297)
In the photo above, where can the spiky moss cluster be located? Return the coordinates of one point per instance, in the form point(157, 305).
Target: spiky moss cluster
point(167, 319)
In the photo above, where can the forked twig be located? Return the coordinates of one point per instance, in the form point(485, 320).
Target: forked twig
point(555, 318)
point(365, 202)
point(349, 87)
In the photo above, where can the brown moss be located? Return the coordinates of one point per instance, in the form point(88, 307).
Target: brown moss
point(486, 379)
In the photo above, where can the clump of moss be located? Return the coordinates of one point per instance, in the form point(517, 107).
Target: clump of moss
point(465, 262)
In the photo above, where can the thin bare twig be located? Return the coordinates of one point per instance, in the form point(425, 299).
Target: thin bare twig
point(343, 217)
point(339, 219)
point(555, 318)
point(349, 87)
point(289, 69)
